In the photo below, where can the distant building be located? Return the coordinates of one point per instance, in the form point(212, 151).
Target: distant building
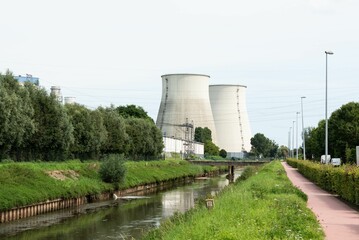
point(56, 91)
point(70, 100)
point(181, 146)
point(27, 78)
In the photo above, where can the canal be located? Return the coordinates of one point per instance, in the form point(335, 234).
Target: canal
point(113, 219)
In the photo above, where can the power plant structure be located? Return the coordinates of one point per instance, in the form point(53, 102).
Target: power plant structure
point(188, 101)
point(184, 106)
point(69, 100)
point(56, 91)
point(230, 115)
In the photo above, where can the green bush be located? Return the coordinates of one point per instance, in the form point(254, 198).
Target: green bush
point(343, 180)
point(113, 170)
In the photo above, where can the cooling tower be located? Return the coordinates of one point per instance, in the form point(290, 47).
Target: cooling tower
point(229, 109)
point(185, 101)
point(56, 91)
point(70, 100)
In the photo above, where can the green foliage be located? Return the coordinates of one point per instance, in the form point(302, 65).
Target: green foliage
point(133, 111)
point(343, 180)
point(54, 133)
point(343, 132)
point(145, 139)
point(113, 170)
point(223, 153)
point(283, 152)
point(16, 115)
point(35, 126)
point(202, 134)
point(262, 146)
point(116, 131)
point(89, 131)
point(265, 206)
point(211, 149)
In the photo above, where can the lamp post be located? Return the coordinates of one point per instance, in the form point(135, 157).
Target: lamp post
point(289, 145)
point(293, 139)
point(326, 104)
point(303, 128)
point(296, 136)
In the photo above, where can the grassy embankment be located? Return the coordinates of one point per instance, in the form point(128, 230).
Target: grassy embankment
point(28, 183)
point(265, 206)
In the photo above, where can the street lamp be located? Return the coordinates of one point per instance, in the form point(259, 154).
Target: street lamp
point(293, 140)
point(296, 136)
point(289, 145)
point(301, 99)
point(326, 104)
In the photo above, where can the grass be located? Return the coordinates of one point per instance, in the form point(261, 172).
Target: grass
point(265, 206)
point(28, 183)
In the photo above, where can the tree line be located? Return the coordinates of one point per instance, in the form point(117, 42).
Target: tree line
point(34, 125)
point(343, 135)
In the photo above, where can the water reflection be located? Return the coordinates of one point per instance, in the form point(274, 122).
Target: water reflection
point(112, 219)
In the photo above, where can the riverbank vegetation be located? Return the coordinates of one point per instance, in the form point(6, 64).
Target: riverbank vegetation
point(35, 125)
point(342, 180)
point(265, 206)
point(32, 182)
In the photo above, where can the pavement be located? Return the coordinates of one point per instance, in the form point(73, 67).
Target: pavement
point(338, 220)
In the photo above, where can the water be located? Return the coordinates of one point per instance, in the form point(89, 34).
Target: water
point(112, 219)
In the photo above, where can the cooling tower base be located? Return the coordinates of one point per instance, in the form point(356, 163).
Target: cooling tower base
point(236, 155)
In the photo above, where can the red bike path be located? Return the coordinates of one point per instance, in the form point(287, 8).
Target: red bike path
point(338, 220)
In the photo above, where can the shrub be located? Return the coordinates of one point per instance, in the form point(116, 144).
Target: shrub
point(223, 153)
point(113, 170)
point(342, 180)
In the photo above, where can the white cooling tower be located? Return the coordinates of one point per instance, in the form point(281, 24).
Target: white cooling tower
point(231, 119)
point(185, 100)
point(70, 100)
point(56, 91)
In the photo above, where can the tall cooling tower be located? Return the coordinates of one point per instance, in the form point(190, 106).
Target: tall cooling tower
point(185, 101)
point(231, 119)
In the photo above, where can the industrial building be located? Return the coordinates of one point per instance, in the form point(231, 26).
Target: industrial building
point(180, 146)
point(230, 115)
point(188, 101)
point(27, 78)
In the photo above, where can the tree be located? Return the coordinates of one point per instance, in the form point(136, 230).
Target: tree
point(145, 139)
point(343, 127)
point(283, 152)
point(53, 130)
point(133, 111)
point(262, 146)
point(223, 153)
point(89, 131)
point(113, 170)
point(16, 117)
point(211, 149)
point(116, 131)
point(202, 134)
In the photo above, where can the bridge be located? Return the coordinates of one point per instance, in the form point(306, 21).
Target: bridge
point(230, 164)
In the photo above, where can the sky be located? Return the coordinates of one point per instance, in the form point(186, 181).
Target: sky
point(114, 52)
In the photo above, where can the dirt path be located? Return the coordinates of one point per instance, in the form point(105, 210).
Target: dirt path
point(338, 220)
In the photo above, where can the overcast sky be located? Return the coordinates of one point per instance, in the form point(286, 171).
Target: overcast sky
point(104, 52)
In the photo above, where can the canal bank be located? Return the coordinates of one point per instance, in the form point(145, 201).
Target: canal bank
point(76, 183)
point(117, 219)
point(265, 206)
